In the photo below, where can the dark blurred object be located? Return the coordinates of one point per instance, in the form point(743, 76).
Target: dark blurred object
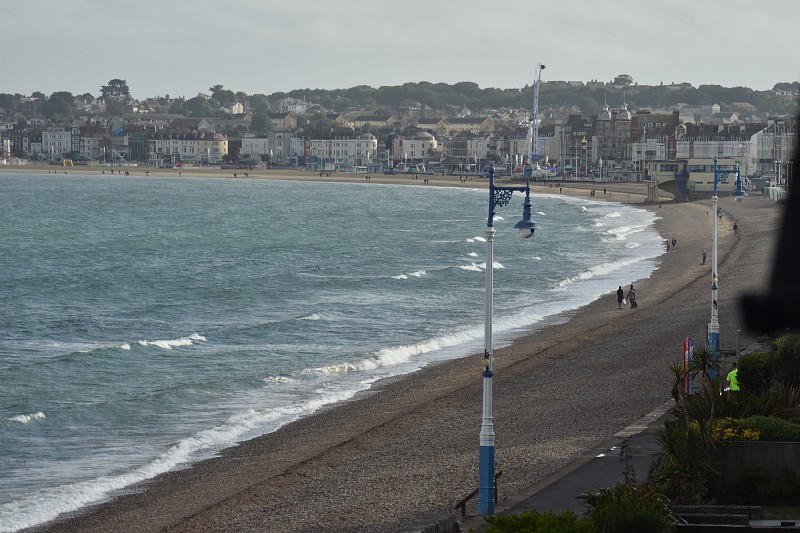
point(779, 308)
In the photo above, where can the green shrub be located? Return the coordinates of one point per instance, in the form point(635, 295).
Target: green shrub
point(683, 469)
point(786, 367)
point(535, 522)
point(771, 428)
point(629, 507)
point(756, 483)
point(788, 346)
point(755, 371)
point(729, 428)
point(748, 483)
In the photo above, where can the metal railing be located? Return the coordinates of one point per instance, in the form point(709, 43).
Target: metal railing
point(463, 503)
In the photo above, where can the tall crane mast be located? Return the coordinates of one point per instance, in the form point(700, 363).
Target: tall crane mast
point(533, 127)
point(535, 137)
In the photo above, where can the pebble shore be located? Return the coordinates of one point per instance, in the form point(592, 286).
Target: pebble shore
point(408, 448)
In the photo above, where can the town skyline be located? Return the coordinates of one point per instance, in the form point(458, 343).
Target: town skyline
point(182, 48)
point(208, 91)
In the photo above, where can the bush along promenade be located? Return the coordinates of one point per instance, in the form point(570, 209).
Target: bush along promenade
point(727, 457)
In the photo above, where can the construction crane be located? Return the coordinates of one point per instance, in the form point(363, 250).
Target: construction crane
point(533, 127)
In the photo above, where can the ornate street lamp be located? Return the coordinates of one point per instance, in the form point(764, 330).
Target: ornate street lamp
point(713, 326)
point(498, 196)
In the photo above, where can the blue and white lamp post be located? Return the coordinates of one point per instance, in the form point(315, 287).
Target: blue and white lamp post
point(713, 326)
point(498, 196)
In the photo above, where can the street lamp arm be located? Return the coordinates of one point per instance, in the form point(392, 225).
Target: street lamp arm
point(500, 196)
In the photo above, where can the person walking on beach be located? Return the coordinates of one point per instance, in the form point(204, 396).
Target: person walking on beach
point(667, 245)
point(733, 378)
point(704, 257)
point(620, 297)
point(674, 245)
point(632, 297)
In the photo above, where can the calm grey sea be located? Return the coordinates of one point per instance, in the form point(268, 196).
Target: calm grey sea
point(150, 322)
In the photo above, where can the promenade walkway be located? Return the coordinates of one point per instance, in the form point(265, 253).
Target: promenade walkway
point(602, 466)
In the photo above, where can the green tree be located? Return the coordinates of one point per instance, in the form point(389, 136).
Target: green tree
point(60, 104)
point(115, 89)
point(261, 124)
point(198, 107)
point(115, 108)
point(321, 121)
point(7, 101)
point(176, 108)
point(623, 79)
point(222, 96)
point(259, 103)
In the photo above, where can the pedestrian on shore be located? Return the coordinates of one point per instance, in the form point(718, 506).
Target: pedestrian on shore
point(674, 245)
point(620, 297)
point(667, 245)
point(735, 228)
point(632, 297)
point(704, 257)
point(733, 378)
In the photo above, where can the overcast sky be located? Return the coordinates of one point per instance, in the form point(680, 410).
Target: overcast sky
point(183, 47)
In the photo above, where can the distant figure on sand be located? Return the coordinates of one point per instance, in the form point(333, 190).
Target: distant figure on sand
point(620, 297)
point(704, 257)
point(735, 229)
point(674, 245)
point(632, 297)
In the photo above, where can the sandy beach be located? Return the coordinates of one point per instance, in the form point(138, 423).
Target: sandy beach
point(408, 448)
point(625, 192)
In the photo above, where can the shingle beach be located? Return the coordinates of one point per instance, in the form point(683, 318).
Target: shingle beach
point(408, 448)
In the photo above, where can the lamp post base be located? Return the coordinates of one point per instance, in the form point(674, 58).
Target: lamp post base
point(486, 481)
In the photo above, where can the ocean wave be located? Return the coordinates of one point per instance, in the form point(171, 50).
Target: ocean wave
point(47, 504)
point(27, 419)
point(415, 274)
point(277, 379)
point(312, 316)
point(173, 343)
point(476, 239)
point(598, 270)
point(621, 232)
point(399, 355)
point(480, 267)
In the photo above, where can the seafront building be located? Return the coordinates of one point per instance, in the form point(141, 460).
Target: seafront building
point(618, 144)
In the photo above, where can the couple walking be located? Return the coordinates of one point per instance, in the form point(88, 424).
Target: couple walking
point(631, 297)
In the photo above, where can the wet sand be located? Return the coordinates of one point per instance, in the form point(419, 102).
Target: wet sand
point(408, 448)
